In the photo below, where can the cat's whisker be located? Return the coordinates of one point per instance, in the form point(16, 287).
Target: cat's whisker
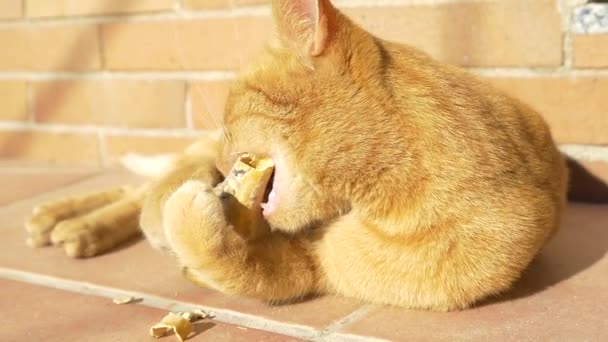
point(180, 60)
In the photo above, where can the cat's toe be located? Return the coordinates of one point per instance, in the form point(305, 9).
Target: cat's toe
point(77, 238)
point(39, 228)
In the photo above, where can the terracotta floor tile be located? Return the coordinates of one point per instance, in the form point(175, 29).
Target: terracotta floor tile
point(561, 297)
point(138, 267)
point(34, 313)
point(18, 184)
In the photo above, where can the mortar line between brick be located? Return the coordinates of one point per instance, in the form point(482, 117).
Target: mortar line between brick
point(100, 49)
point(537, 72)
point(23, 10)
point(29, 103)
point(566, 9)
point(218, 75)
point(102, 150)
point(221, 315)
point(568, 49)
point(245, 11)
point(179, 12)
point(88, 129)
point(118, 75)
point(178, 6)
point(188, 108)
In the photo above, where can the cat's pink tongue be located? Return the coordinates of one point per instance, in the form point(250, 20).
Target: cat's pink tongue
point(271, 206)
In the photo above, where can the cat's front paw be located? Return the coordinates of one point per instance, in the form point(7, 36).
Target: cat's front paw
point(193, 217)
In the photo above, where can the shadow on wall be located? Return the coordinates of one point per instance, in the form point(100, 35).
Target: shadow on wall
point(49, 100)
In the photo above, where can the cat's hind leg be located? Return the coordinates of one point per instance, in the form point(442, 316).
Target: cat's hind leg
point(46, 216)
point(87, 225)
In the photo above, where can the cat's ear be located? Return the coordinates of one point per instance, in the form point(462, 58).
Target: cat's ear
point(304, 24)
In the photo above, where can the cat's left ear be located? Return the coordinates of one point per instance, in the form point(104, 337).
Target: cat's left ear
point(305, 24)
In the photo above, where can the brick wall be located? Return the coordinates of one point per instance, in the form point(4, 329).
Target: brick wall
point(82, 81)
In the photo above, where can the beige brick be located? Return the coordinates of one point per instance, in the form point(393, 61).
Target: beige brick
point(119, 145)
point(208, 44)
point(49, 147)
point(13, 104)
point(208, 101)
point(473, 33)
point(196, 4)
point(574, 107)
point(111, 102)
point(58, 8)
point(10, 9)
point(591, 51)
point(66, 47)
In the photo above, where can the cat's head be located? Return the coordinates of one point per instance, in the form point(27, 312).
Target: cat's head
point(314, 103)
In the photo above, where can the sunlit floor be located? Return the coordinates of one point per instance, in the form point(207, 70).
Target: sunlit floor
point(46, 296)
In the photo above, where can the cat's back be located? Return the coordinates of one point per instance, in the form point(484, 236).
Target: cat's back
point(468, 125)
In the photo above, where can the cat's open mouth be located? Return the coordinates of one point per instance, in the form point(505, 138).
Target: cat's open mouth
point(269, 201)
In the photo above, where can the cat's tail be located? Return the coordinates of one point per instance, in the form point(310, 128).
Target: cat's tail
point(153, 167)
point(584, 185)
point(157, 166)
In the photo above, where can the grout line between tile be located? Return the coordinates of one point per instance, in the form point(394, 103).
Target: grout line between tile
point(352, 338)
point(221, 315)
point(592, 153)
point(346, 320)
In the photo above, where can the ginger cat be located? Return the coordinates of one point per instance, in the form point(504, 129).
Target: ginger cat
point(398, 180)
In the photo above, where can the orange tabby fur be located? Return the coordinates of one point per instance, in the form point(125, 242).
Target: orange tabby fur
point(407, 182)
point(401, 180)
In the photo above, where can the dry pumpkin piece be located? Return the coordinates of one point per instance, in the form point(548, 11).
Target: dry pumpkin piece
point(126, 300)
point(200, 314)
point(180, 326)
point(195, 316)
point(243, 191)
point(247, 179)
